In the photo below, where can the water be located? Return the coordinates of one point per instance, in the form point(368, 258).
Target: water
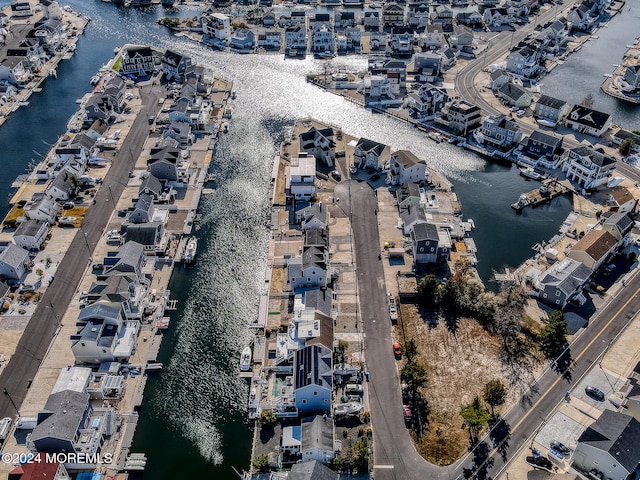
point(582, 74)
point(193, 418)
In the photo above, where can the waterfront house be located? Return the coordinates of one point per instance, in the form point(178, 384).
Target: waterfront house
point(163, 163)
point(405, 167)
point(216, 25)
point(589, 121)
point(299, 19)
point(103, 334)
point(269, 39)
point(621, 135)
point(123, 289)
point(412, 216)
point(7, 91)
point(471, 19)
point(632, 77)
point(587, 167)
point(21, 9)
point(62, 187)
point(525, 62)
point(150, 235)
point(515, 95)
point(139, 61)
point(561, 282)
point(31, 234)
point(371, 20)
point(295, 41)
point(13, 71)
point(312, 217)
point(428, 102)
point(317, 439)
point(551, 108)
point(593, 249)
point(581, 18)
point(268, 20)
point(433, 37)
point(500, 131)
point(619, 224)
point(313, 379)
point(39, 471)
point(543, 146)
point(610, 445)
point(622, 200)
point(180, 132)
point(344, 19)
point(291, 440)
point(408, 196)
point(461, 116)
point(243, 40)
point(41, 207)
point(142, 210)
point(311, 471)
point(114, 93)
point(300, 181)
point(558, 31)
point(322, 40)
point(320, 19)
point(96, 108)
point(320, 144)
point(370, 154)
point(497, 17)
point(498, 78)
point(14, 261)
point(392, 16)
point(424, 241)
point(175, 66)
point(462, 38)
point(311, 270)
point(128, 259)
point(48, 32)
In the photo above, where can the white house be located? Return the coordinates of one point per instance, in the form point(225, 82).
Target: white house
point(14, 261)
point(311, 270)
point(589, 121)
point(609, 445)
point(320, 144)
point(313, 379)
point(322, 39)
point(216, 25)
point(462, 116)
point(42, 208)
point(317, 439)
point(500, 131)
point(31, 234)
point(370, 154)
point(295, 40)
point(300, 181)
point(405, 167)
point(593, 249)
point(587, 167)
point(552, 108)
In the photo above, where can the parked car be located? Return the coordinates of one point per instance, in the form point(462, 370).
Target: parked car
point(397, 350)
point(560, 447)
point(336, 175)
point(389, 244)
point(406, 411)
point(594, 392)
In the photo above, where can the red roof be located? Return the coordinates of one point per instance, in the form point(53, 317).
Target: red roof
point(34, 471)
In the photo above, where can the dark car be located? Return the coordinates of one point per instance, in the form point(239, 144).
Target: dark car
point(397, 350)
point(406, 411)
point(560, 447)
point(594, 392)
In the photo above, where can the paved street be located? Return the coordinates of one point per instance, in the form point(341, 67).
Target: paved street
point(43, 325)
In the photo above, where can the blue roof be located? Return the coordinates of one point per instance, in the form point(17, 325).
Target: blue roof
point(89, 476)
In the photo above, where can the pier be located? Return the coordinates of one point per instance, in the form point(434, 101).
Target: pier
point(549, 190)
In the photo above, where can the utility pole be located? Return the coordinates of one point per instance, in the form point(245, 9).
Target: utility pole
point(6, 392)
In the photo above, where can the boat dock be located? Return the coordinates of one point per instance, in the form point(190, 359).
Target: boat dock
point(549, 190)
point(614, 83)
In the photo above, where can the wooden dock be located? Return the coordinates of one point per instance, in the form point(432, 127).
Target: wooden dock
point(549, 190)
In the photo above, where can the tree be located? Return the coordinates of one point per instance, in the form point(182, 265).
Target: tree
point(475, 417)
point(553, 337)
point(343, 345)
point(494, 394)
point(428, 291)
point(410, 350)
point(414, 374)
point(261, 463)
point(268, 418)
point(626, 146)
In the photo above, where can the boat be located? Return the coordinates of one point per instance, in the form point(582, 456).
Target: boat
point(115, 135)
point(522, 202)
point(104, 143)
point(162, 324)
point(190, 250)
point(435, 136)
point(531, 174)
point(53, 73)
point(539, 463)
point(95, 79)
point(350, 408)
point(546, 123)
point(346, 369)
point(245, 359)
point(96, 161)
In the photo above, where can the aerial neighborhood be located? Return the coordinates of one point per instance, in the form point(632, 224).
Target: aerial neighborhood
point(378, 348)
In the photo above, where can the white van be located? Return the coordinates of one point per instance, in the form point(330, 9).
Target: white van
point(353, 388)
point(5, 426)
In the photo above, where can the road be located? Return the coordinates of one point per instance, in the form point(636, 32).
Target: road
point(45, 322)
point(395, 457)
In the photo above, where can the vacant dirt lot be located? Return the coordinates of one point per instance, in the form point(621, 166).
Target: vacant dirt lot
point(459, 365)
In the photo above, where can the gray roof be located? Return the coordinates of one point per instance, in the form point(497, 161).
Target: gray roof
point(142, 233)
point(566, 276)
point(29, 228)
point(551, 102)
point(151, 185)
point(317, 433)
point(315, 211)
point(425, 231)
point(595, 156)
point(127, 255)
point(367, 145)
point(313, 470)
point(101, 310)
point(513, 91)
point(14, 256)
point(617, 434)
point(545, 138)
point(620, 220)
point(413, 215)
point(312, 366)
point(318, 237)
point(589, 117)
point(320, 299)
point(61, 416)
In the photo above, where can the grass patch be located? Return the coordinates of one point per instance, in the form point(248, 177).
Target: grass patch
point(15, 213)
point(117, 64)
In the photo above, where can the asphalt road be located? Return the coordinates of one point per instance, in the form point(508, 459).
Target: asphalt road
point(44, 323)
point(395, 457)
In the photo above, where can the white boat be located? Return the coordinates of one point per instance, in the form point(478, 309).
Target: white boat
point(245, 359)
point(115, 135)
point(346, 369)
point(531, 173)
point(104, 143)
point(190, 250)
point(96, 161)
point(546, 123)
point(95, 79)
point(350, 408)
point(53, 73)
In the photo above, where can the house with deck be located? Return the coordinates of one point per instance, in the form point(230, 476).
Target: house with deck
point(552, 109)
point(593, 249)
point(500, 131)
point(320, 144)
point(587, 167)
point(405, 167)
point(370, 154)
point(589, 121)
point(313, 379)
point(562, 282)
